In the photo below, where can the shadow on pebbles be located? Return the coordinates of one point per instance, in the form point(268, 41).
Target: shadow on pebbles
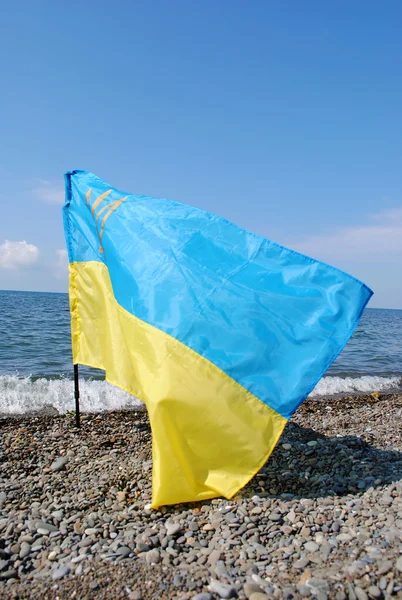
point(322, 519)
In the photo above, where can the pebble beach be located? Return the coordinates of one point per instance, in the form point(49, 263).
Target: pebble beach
point(322, 519)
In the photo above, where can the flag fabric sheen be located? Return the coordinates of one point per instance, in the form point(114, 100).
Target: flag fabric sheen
point(220, 332)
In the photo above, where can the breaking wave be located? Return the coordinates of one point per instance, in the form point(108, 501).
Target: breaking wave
point(21, 395)
point(329, 386)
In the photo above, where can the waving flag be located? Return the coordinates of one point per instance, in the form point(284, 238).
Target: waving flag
point(220, 332)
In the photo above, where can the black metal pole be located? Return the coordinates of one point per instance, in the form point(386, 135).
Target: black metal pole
point(77, 397)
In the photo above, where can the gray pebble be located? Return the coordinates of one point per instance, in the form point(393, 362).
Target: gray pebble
point(311, 547)
point(343, 537)
point(60, 572)
point(274, 516)
point(78, 570)
point(374, 591)
point(390, 587)
point(123, 551)
point(10, 574)
point(173, 528)
point(317, 585)
point(59, 463)
point(78, 559)
point(214, 557)
point(360, 593)
point(144, 547)
point(223, 590)
point(43, 526)
point(58, 515)
point(385, 567)
point(43, 531)
point(383, 583)
point(301, 563)
point(251, 588)
point(27, 538)
point(202, 596)
point(4, 564)
point(221, 571)
point(25, 550)
point(304, 590)
point(153, 557)
point(92, 531)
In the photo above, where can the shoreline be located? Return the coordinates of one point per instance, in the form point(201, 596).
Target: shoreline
point(34, 396)
point(322, 519)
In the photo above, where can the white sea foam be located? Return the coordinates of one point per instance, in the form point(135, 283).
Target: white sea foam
point(22, 395)
point(329, 386)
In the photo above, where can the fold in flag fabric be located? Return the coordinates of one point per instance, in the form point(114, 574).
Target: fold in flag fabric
point(220, 332)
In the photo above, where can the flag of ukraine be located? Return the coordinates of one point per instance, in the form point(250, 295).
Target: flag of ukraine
point(220, 332)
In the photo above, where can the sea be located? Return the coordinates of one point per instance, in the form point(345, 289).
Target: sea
point(36, 370)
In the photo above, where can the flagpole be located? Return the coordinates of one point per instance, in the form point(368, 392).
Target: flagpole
point(77, 397)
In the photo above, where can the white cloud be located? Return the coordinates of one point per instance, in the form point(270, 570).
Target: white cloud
point(17, 255)
point(378, 241)
point(61, 270)
point(63, 258)
point(49, 192)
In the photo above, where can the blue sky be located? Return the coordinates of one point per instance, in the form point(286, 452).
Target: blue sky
point(282, 116)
